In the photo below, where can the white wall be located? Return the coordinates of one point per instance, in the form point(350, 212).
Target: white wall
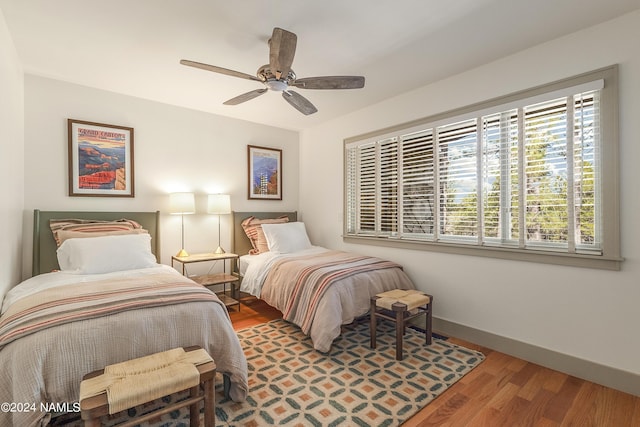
point(175, 149)
point(11, 160)
point(585, 313)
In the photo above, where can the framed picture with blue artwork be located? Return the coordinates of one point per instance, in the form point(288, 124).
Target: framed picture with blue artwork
point(265, 173)
point(100, 159)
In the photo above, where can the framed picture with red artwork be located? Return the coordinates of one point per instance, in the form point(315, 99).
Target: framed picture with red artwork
point(100, 159)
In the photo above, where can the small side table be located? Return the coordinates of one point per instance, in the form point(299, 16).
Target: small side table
point(223, 278)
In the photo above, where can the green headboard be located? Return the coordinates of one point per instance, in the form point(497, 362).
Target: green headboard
point(44, 245)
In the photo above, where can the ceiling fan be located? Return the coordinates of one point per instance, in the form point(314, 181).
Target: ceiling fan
point(277, 75)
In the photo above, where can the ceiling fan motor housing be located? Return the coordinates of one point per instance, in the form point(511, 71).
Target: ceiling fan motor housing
point(269, 79)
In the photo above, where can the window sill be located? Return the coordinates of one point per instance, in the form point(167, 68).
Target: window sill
point(556, 258)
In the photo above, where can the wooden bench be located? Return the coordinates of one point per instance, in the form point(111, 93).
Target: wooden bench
point(94, 407)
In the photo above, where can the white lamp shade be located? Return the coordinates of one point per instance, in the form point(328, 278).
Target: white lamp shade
point(182, 203)
point(219, 204)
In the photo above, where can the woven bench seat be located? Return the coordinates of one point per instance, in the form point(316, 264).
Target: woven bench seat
point(400, 306)
point(131, 383)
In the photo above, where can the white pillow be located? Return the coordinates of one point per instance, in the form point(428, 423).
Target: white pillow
point(286, 238)
point(105, 254)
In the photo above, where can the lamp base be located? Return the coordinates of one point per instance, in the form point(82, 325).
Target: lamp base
point(219, 251)
point(182, 253)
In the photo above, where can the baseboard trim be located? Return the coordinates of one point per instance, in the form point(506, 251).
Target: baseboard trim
point(618, 379)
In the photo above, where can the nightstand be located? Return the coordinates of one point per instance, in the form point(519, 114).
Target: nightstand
point(223, 278)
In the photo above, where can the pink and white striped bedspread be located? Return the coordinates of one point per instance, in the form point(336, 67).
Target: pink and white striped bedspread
point(57, 306)
point(322, 291)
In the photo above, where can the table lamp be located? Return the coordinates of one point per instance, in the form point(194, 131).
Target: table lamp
point(219, 204)
point(182, 204)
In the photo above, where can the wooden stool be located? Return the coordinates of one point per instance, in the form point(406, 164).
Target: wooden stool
point(398, 304)
point(94, 407)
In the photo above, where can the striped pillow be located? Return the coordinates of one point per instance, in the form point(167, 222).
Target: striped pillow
point(90, 226)
point(71, 234)
point(252, 227)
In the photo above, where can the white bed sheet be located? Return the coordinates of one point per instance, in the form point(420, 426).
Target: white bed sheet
point(244, 262)
point(257, 267)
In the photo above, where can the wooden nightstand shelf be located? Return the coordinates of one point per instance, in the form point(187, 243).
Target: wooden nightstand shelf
point(223, 278)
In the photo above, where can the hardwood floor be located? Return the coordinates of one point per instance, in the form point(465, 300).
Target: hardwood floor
point(253, 311)
point(504, 391)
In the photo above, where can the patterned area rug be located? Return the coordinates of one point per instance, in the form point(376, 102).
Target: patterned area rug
point(292, 384)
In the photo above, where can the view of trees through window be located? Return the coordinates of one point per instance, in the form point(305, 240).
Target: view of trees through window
point(525, 177)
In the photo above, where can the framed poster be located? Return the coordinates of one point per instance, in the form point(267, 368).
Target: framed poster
point(100, 159)
point(265, 173)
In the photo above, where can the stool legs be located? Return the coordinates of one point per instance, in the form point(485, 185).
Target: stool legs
point(373, 325)
point(400, 311)
point(209, 403)
point(429, 320)
point(194, 413)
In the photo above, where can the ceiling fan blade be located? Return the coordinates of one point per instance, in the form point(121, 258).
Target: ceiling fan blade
point(245, 97)
point(220, 70)
point(330, 82)
point(282, 49)
point(299, 102)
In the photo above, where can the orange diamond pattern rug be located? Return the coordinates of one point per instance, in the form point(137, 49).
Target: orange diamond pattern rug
point(292, 384)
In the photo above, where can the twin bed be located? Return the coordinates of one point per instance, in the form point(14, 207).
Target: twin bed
point(113, 302)
point(56, 327)
point(317, 289)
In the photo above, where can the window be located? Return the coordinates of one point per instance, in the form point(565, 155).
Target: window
point(530, 176)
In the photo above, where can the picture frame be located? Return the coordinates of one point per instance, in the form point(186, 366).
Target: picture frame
point(265, 173)
point(100, 159)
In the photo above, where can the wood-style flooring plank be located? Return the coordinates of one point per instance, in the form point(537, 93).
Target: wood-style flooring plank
point(545, 422)
point(489, 413)
point(554, 380)
point(562, 401)
point(614, 407)
point(635, 420)
point(582, 412)
point(503, 391)
point(534, 410)
point(503, 396)
point(439, 415)
point(532, 387)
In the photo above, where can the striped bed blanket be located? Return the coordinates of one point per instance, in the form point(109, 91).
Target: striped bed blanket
point(51, 338)
point(305, 280)
point(71, 303)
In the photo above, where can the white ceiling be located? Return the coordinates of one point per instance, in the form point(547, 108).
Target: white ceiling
point(134, 47)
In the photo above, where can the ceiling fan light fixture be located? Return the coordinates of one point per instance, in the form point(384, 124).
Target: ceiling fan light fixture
point(276, 85)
